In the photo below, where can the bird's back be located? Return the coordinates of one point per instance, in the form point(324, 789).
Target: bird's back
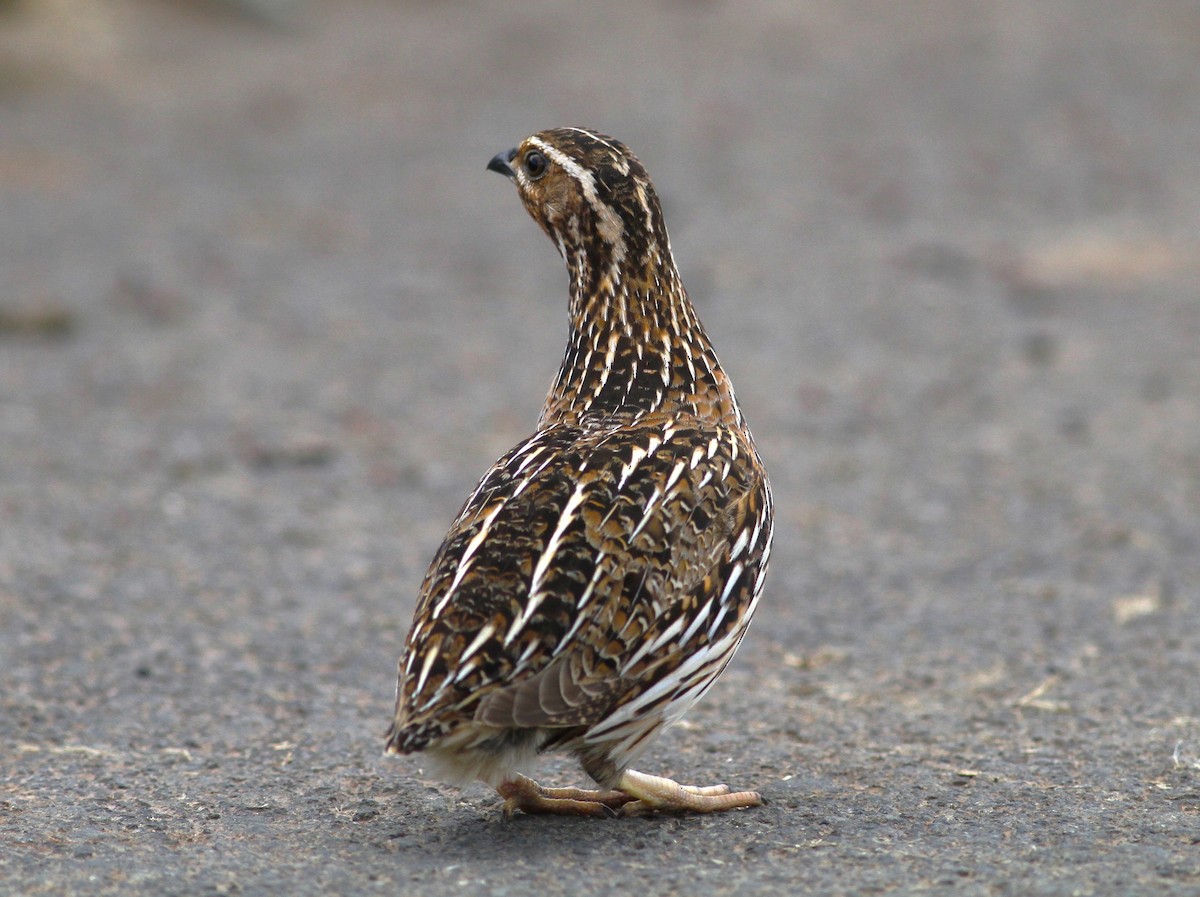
point(588, 567)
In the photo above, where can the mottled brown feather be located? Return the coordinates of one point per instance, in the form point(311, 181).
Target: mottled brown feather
point(602, 572)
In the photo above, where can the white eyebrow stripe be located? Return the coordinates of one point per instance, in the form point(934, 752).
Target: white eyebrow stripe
point(608, 223)
point(585, 178)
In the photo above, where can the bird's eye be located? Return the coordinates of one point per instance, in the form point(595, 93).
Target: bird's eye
point(535, 165)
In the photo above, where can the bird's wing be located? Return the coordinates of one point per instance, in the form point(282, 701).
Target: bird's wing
point(582, 561)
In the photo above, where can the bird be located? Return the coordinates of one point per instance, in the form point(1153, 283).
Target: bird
point(603, 572)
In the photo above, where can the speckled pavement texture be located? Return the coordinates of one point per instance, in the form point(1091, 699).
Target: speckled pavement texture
point(264, 318)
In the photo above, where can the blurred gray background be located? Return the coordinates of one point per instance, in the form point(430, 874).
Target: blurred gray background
point(264, 318)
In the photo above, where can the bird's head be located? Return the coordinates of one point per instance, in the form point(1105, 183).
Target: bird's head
point(588, 192)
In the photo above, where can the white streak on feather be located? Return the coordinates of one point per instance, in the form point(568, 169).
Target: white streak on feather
point(430, 657)
point(740, 545)
point(766, 556)
point(464, 563)
point(484, 634)
point(581, 605)
point(636, 454)
point(529, 458)
point(697, 619)
point(650, 646)
point(523, 660)
point(464, 669)
point(676, 473)
point(610, 355)
point(536, 597)
point(647, 514)
point(734, 576)
point(525, 483)
point(633, 369)
point(632, 711)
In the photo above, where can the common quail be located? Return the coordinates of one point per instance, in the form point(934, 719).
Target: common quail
point(602, 573)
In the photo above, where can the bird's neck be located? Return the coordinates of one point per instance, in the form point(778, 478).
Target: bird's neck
point(636, 346)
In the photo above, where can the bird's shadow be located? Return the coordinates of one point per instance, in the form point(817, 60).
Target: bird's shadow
point(474, 832)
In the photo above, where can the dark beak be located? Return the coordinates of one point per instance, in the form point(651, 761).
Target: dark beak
point(500, 163)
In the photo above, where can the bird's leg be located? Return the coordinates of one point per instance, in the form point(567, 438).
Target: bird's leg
point(651, 794)
point(526, 795)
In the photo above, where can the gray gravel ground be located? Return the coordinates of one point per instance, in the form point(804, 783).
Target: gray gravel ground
point(264, 318)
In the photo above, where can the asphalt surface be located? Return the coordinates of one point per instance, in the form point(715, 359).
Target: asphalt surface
point(264, 318)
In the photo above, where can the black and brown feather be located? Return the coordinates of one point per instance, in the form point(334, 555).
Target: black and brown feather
point(602, 573)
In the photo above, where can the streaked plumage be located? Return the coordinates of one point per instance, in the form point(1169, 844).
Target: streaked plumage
point(602, 573)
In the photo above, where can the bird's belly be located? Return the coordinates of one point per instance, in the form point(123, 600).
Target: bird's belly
point(487, 753)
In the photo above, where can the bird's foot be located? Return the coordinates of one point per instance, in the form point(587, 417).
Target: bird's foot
point(653, 794)
point(526, 795)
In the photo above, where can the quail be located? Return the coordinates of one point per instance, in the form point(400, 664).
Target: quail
point(602, 573)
